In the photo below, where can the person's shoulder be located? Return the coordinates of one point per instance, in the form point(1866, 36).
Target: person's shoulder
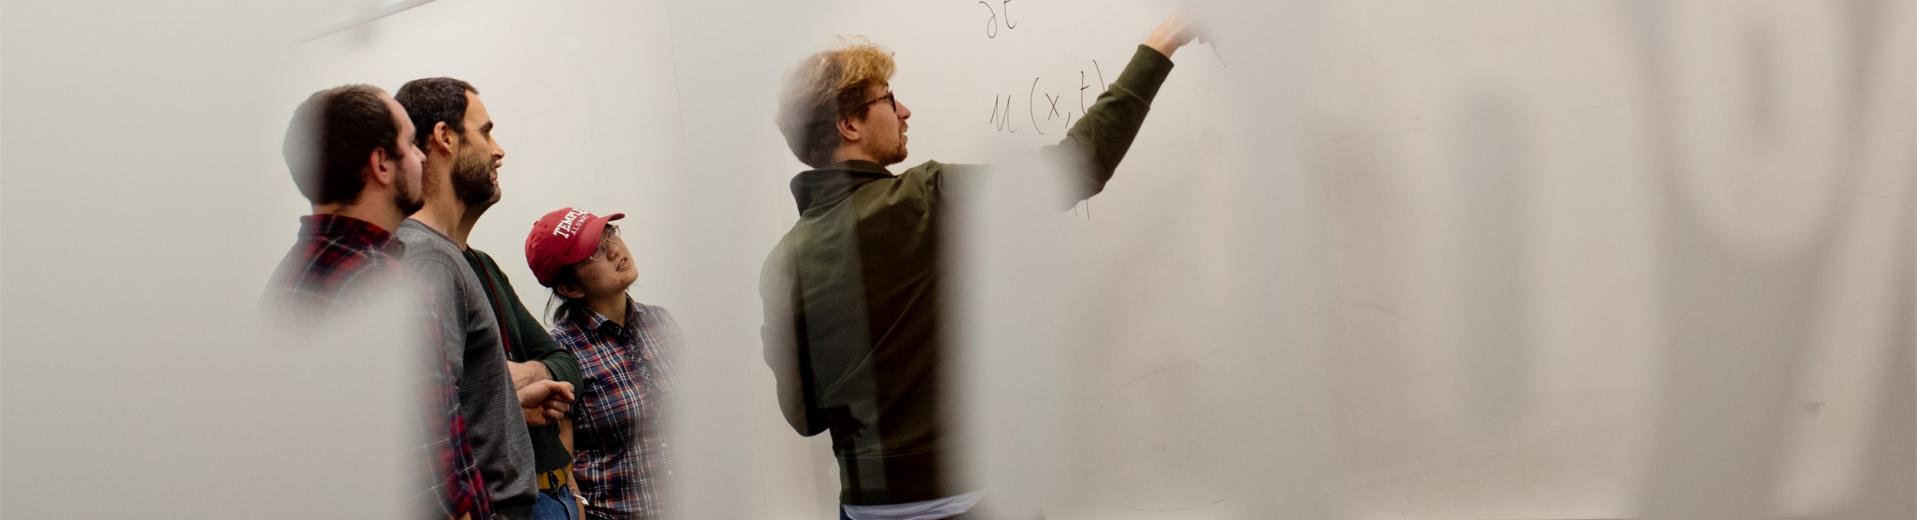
point(659, 315)
point(568, 334)
point(929, 177)
point(917, 179)
point(652, 310)
point(931, 172)
point(483, 261)
point(794, 235)
point(412, 225)
point(779, 260)
point(433, 262)
point(477, 253)
point(422, 243)
point(415, 235)
point(924, 169)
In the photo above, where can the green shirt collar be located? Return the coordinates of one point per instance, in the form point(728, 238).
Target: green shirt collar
point(833, 183)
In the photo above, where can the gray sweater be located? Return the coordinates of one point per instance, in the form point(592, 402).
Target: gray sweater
point(469, 334)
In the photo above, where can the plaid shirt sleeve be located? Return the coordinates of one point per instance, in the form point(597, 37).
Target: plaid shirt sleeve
point(455, 487)
point(458, 488)
point(338, 258)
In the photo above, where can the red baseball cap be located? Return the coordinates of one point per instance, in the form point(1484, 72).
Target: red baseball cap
point(563, 237)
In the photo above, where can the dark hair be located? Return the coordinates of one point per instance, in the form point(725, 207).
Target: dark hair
point(559, 307)
point(330, 137)
point(435, 100)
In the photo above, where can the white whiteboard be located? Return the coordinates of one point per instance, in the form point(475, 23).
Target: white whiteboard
point(1374, 259)
point(1366, 259)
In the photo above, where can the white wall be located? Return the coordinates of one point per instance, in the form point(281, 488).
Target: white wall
point(1588, 257)
point(1370, 259)
point(582, 97)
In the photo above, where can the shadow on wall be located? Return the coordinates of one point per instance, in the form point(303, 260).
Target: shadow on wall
point(1739, 323)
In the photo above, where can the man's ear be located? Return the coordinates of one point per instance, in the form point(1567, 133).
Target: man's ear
point(849, 131)
point(443, 137)
point(381, 168)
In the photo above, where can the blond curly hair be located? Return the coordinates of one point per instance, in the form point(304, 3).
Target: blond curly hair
point(825, 87)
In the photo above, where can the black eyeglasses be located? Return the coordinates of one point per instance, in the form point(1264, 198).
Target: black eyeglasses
point(889, 97)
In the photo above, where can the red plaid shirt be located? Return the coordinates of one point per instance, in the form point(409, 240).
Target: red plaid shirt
point(337, 256)
point(619, 432)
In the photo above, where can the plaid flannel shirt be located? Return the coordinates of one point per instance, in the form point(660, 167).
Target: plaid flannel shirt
point(621, 457)
point(337, 256)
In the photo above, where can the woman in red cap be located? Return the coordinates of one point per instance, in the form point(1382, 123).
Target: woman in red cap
point(619, 435)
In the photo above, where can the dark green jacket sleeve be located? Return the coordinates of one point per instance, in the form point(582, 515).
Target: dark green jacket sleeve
point(530, 339)
point(1093, 147)
point(787, 348)
point(538, 344)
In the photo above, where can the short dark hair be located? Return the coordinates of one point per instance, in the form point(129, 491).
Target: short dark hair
point(434, 100)
point(330, 137)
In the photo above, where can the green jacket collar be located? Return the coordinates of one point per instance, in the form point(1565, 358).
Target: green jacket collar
point(831, 184)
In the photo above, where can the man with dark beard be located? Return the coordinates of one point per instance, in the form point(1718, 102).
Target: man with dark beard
point(350, 157)
point(461, 183)
point(351, 153)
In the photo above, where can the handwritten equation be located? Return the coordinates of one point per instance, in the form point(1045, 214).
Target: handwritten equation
point(994, 23)
point(1046, 108)
point(1040, 110)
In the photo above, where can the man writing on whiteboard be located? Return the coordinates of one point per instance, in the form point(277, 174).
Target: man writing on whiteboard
point(852, 293)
